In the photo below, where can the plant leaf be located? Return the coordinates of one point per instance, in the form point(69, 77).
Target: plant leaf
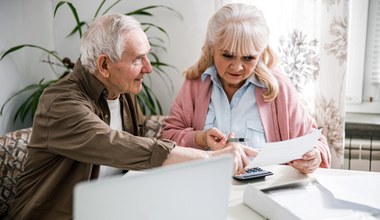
point(144, 12)
point(148, 101)
point(59, 4)
point(77, 28)
point(75, 14)
point(13, 49)
point(117, 2)
point(160, 40)
point(158, 46)
point(155, 26)
point(97, 10)
point(30, 87)
point(30, 104)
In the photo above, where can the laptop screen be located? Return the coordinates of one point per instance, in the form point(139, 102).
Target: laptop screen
point(191, 190)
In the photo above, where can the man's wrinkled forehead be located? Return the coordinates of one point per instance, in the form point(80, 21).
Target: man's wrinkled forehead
point(136, 43)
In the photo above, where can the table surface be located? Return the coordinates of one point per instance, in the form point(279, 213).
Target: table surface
point(281, 174)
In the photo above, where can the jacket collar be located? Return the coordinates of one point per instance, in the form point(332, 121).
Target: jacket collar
point(93, 87)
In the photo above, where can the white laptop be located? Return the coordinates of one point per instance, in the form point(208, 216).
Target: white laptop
point(187, 191)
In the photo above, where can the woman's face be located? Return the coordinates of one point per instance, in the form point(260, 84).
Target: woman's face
point(233, 69)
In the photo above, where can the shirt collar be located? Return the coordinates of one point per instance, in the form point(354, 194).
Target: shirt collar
point(213, 74)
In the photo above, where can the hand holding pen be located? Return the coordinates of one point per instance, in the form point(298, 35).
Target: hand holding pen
point(211, 138)
point(214, 139)
point(237, 139)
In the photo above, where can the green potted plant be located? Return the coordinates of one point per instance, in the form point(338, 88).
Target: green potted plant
point(149, 103)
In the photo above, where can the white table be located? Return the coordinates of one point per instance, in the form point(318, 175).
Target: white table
point(238, 211)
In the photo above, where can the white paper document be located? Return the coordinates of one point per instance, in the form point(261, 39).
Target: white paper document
point(309, 202)
point(354, 188)
point(285, 151)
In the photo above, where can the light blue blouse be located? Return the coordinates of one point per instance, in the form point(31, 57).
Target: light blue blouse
point(241, 116)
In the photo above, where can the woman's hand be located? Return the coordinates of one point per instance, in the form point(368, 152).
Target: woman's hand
point(309, 163)
point(211, 138)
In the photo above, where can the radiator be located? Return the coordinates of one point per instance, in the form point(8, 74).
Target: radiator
point(362, 147)
point(362, 153)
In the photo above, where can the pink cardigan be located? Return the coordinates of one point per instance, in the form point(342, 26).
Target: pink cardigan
point(283, 118)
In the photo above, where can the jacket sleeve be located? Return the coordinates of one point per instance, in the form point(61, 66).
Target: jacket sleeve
point(71, 128)
point(295, 121)
point(179, 126)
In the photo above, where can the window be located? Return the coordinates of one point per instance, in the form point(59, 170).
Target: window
point(363, 69)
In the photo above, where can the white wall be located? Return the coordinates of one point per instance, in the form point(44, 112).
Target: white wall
point(22, 22)
point(30, 21)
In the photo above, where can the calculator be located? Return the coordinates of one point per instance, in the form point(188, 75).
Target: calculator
point(251, 173)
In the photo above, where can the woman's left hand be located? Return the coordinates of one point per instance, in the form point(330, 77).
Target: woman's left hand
point(309, 163)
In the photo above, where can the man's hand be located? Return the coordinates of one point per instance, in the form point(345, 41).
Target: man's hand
point(240, 153)
point(309, 163)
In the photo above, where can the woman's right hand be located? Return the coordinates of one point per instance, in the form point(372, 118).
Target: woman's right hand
point(211, 138)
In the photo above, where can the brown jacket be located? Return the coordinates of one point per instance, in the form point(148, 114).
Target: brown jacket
point(71, 137)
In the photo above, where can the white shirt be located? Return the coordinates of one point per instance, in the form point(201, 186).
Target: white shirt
point(114, 106)
point(115, 124)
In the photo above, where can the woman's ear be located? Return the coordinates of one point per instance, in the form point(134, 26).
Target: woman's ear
point(103, 65)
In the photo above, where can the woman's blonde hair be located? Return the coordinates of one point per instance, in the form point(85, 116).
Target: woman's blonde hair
point(240, 29)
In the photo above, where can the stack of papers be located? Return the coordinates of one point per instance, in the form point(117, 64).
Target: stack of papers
point(311, 201)
point(354, 188)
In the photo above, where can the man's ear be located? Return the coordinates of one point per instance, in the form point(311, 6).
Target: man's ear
point(102, 65)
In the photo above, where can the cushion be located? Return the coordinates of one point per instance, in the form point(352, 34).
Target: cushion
point(13, 156)
point(153, 125)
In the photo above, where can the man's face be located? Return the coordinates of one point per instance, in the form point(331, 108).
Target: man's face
point(126, 75)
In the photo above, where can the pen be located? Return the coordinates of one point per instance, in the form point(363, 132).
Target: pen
point(237, 139)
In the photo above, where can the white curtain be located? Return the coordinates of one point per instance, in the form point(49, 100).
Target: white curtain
point(310, 37)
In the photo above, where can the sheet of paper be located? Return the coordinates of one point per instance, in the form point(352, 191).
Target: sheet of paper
point(354, 188)
point(285, 151)
point(314, 202)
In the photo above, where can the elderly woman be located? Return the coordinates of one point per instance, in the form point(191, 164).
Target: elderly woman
point(234, 89)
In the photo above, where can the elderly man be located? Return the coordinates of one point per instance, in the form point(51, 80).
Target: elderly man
point(91, 118)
